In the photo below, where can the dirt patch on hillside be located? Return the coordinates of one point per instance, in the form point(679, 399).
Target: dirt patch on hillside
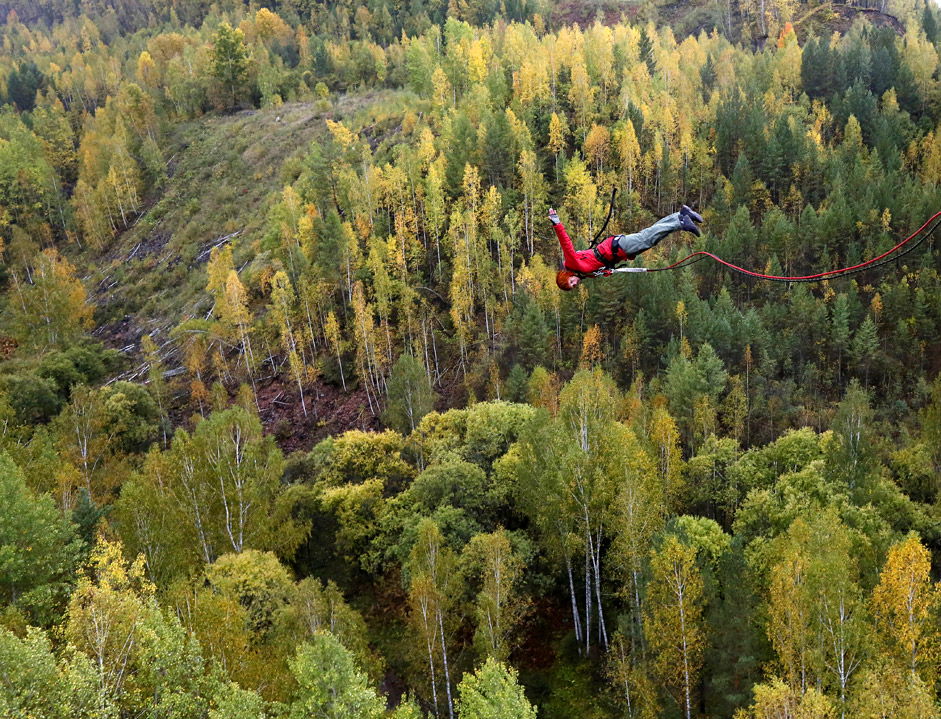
point(691, 17)
point(584, 14)
point(330, 411)
point(840, 18)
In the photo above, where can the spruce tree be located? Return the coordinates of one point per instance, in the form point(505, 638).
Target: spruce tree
point(533, 336)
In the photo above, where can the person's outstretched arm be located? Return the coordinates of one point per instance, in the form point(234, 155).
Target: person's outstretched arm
point(572, 261)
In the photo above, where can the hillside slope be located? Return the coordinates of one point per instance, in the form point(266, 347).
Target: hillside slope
point(221, 175)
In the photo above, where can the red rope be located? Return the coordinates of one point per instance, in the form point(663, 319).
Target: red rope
point(818, 276)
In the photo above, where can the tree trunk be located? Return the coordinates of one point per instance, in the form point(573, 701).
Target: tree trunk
point(444, 657)
point(578, 626)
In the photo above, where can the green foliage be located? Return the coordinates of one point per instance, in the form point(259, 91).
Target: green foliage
point(459, 484)
point(776, 697)
point(409, 395)
point(214, 491)
point(931, 423)
point(79, 364)
point(673, 619)
point(516, 384)
point(33, 399)
point(499, 607)
point(317, 607)
point(330, 685)
point(131, 417)
point(232, 702)
point(140, 656)
point(479, 434)
point(355, 457)
point(255, 580)
point(766, 513)
point(407, 709)
point(50, 310)
point(704, 535)
point(851, 456)
point(492, 692)
point(230, 61)
point(86, 515)
point(710, 475)
point(39, 549)
point(36, 684)
point(533, 336)
point(889, 690)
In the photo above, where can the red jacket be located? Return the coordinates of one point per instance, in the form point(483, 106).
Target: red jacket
point(584, 261)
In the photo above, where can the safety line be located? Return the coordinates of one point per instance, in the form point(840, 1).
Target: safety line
point(874, 262)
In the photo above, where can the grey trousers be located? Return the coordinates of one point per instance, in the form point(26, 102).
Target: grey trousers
point(648, 237)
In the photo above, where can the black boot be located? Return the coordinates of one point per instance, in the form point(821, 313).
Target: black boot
point(694, 216)
point(686, 223)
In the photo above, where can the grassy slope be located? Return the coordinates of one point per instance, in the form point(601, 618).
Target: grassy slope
point(222, 171)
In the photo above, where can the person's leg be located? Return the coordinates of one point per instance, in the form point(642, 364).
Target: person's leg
point(648, 237)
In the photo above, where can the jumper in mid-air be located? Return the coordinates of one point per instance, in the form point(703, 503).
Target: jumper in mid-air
point(612, 250)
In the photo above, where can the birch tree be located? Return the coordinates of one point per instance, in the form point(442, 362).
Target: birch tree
point(282, 308)
point(49, 306)
point(432, 590)
point(905, 603)
point(498, 606)
point(219, 487)
point(673, 619)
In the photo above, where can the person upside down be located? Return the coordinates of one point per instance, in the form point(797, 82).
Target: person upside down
point(612, 250)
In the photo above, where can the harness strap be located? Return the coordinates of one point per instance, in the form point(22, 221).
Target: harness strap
point(613, 261)
point(594, 241)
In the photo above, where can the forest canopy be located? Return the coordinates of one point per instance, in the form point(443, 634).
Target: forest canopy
point(294, 420)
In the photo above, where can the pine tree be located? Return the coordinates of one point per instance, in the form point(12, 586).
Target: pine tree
point(839, 329)
point(865, 346)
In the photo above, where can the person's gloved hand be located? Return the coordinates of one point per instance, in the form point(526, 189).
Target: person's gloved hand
point(553, 216)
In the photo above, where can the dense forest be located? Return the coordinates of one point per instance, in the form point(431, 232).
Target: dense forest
point(294, 421)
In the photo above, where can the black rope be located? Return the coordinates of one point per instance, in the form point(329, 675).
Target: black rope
point(594, 242)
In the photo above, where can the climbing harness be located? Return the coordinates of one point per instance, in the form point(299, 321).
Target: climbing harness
point(612, 262)
point(883, 259)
